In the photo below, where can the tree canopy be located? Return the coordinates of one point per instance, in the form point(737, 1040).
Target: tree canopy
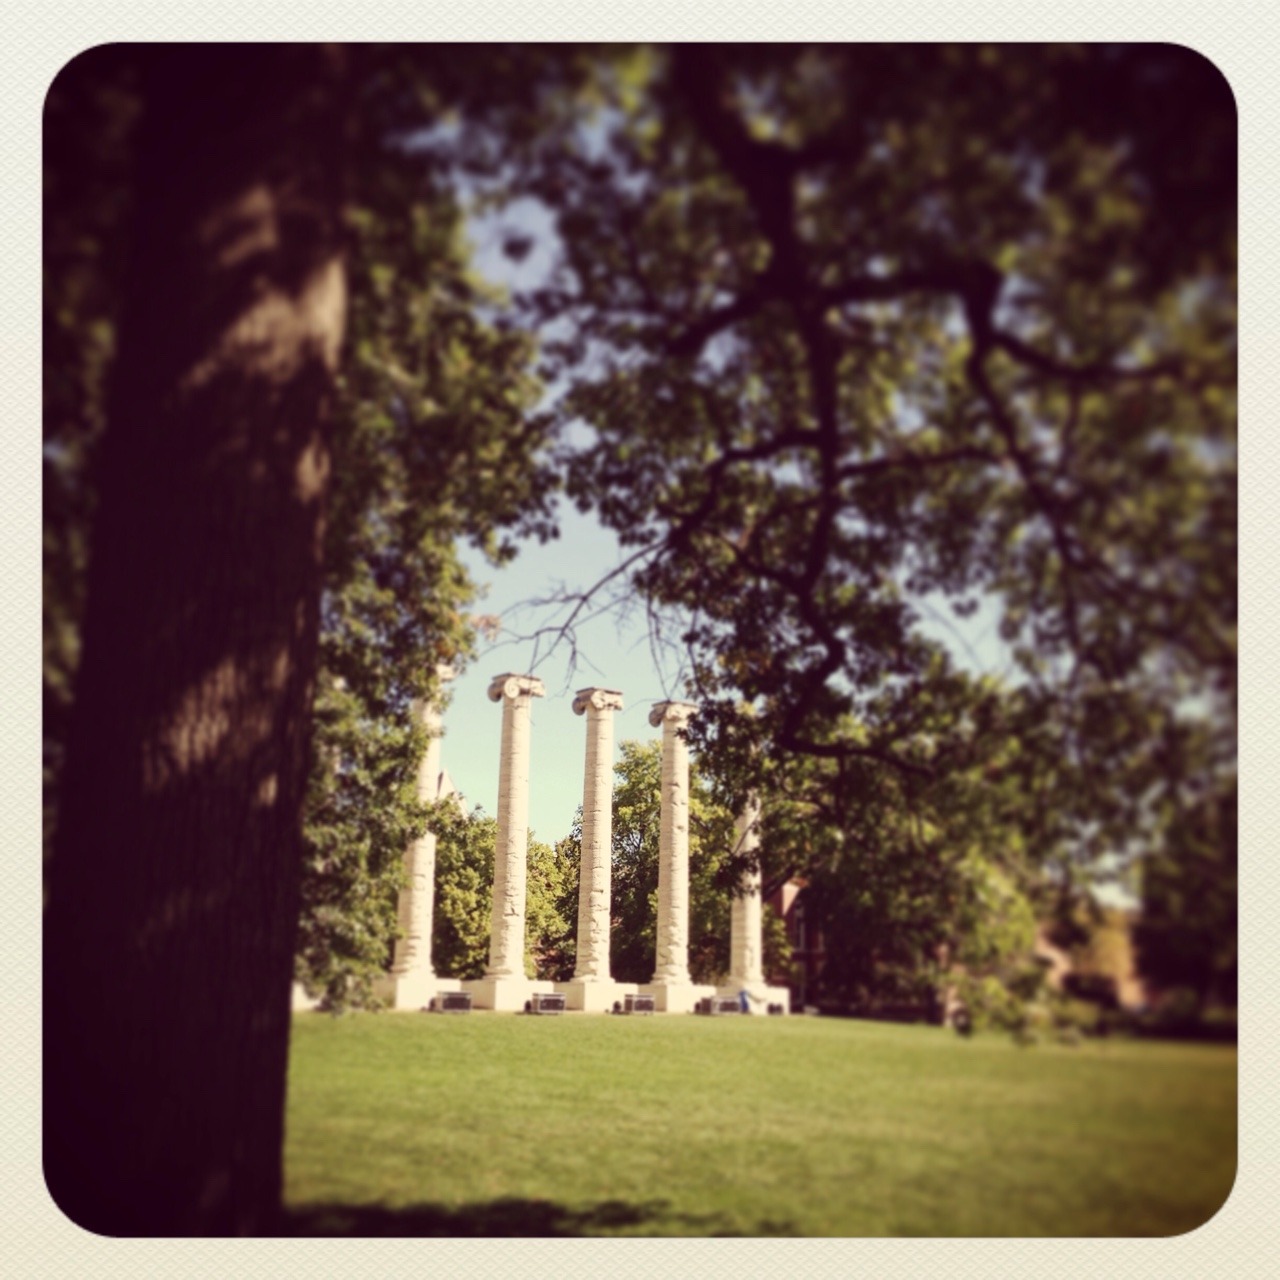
point(865, 330)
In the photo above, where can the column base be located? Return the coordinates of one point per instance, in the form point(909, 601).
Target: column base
point(760, 995)
point(505, 995)
point(596, 995)
point(300, 1002)
point(412, 990)
point(675, 997)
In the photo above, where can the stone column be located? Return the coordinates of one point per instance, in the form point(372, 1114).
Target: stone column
point(746, 927)
point(412, 981)
point(506, 933)
point(597, 834)
point(746, 933)
point(672, 967)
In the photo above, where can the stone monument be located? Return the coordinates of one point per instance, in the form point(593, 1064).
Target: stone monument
point(412, 980)
point(592, 987)
point(504, 985)
point(746, 924)
point(671, 986)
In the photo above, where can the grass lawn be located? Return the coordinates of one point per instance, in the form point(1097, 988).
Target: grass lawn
point(491, 1125)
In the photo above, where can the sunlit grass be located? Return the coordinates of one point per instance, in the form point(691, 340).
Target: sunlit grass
point(493, 1125)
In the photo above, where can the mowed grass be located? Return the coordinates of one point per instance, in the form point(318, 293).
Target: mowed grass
point(491, 1124)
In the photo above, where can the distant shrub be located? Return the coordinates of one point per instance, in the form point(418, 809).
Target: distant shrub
point(1097, 988)
point(1037, 1017)
point(1181, 1016)
point(1027, 982)
point(1081, 1016)
point(990, 1004)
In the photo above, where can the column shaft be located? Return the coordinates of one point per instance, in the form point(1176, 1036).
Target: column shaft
point(507, 922)
point(746, 934)
point(595, 868)
point(672, 960)
point(417, 898)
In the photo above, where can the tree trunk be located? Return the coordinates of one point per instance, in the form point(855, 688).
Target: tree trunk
point(174, 880)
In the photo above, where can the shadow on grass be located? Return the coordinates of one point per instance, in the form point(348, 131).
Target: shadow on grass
point(512, 1216)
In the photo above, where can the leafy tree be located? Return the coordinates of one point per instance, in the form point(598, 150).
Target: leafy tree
point(175, 872)
point(1186, 933)
point(433, 438)
point(552, 909)
point(865, 328)
point(464, 892)
point(907, 888)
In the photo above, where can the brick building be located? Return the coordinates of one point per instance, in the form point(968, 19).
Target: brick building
point(807, 954)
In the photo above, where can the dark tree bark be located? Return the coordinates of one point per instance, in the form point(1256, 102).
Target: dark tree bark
point(173, 898)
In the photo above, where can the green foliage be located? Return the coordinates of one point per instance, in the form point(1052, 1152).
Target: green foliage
point(463, 892)
point(362, 813)
point(1186, 934)
point(1076, 1015)
point(552, 909)
point(634, 876)
point(995, 922)
point(991, 1005)
point(464, 898)
point(909, 883)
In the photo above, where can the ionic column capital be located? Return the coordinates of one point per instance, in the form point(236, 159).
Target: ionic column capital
point(511, 687)
point(597, 700)
point(673, 713)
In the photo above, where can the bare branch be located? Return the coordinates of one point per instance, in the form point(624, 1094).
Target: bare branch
point(565, 632)
point(1096, 372)
point(917, 461)
point(847, 751)
point(692, 339)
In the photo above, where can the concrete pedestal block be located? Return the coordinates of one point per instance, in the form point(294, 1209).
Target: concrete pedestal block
point(412, 990)
point(504, 995)
point(676, 997)
point(300, 1002)
point(594, 997)
point(762, 996)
